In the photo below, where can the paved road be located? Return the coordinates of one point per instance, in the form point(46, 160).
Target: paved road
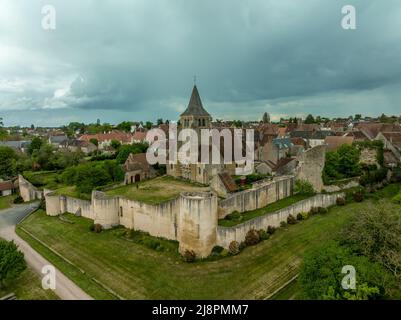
point(65, 288)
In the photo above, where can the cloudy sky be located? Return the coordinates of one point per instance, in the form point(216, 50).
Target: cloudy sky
point(122, 60)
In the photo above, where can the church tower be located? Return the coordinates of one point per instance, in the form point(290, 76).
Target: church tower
point(195, 116)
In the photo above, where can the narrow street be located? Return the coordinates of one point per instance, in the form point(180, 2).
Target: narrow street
point(9, 218)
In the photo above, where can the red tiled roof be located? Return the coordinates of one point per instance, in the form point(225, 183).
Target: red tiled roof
point(393, 137)
point(228, 182)
point(136, 162)
point(114, 135)
point(334, 142)
point(298, 141)
point(6, 185)
point(139, 136)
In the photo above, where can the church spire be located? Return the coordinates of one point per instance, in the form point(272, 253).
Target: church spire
point(195, 107)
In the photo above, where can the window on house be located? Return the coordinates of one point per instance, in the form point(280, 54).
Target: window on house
point(121, 211)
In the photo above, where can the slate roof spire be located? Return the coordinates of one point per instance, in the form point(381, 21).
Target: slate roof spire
point(195, 107)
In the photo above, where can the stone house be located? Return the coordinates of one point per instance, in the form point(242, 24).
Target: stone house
point(137, 168)
point(105, 139)
point(223, 184)
point(392, 142)
point(75, 145)
point(7, 188)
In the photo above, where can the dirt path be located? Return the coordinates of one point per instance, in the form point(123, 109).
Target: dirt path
point(65, 288)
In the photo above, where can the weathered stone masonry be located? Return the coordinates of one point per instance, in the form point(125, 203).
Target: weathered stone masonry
point(192, 218)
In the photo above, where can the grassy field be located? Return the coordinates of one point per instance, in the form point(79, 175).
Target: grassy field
point(43, 179)
point(156, 190)
point(6, 201)
point(72, 192)
point(29, 287)
point(137, 272)
point(260, 212)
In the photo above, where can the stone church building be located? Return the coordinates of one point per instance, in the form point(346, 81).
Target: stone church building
point(196, 117)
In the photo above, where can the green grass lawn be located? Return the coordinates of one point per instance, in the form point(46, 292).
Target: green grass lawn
point(156, 190)
point(289, 292)
point(260, 212)
point(137, 272)
point(72, 192)
point(29, 287)
point(6, 201)
point(44, 179)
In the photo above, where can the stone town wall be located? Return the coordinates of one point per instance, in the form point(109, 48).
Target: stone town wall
point(311, 164)
point(197, 222)
point(349, 183)
point(159, 220)
point(28, 191)
point(258, 197)
point(191, 218)
point(237, 233)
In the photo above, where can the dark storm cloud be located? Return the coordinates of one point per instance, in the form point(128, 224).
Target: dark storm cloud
point(136, 59)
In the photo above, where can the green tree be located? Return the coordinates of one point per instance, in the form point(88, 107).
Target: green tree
point(343, 163)
point(3, 132)
point(148, 125)
point(159, 121)
point(309, 119)
point(115, 144)
point(125, 151)
point(349, 157)
point(45, 157)
point(376, 234)
point(12, 263)
point(89, 176)
point(125, 126)
point(266, 118)
point(94, 141)
point(321, 274)
point(8, 159)
point(36, 143)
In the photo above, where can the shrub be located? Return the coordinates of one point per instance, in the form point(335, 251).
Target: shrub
point(304, 187)
point(189, 256)
point(305, 215)
point(97, 228)
point(340, 201)
point(263, 235)
point(217, 249)
point(283, 224)
point(92, 227)
point(358, 196)
point(235, 216)
point(314, 210)
point(291, 219)
point(252, 237)
point(18, 200)
point(234, 248)
point(242, 246)
point(323, 210)
point(300, 217)
point(12, 263)
point(271, 229)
